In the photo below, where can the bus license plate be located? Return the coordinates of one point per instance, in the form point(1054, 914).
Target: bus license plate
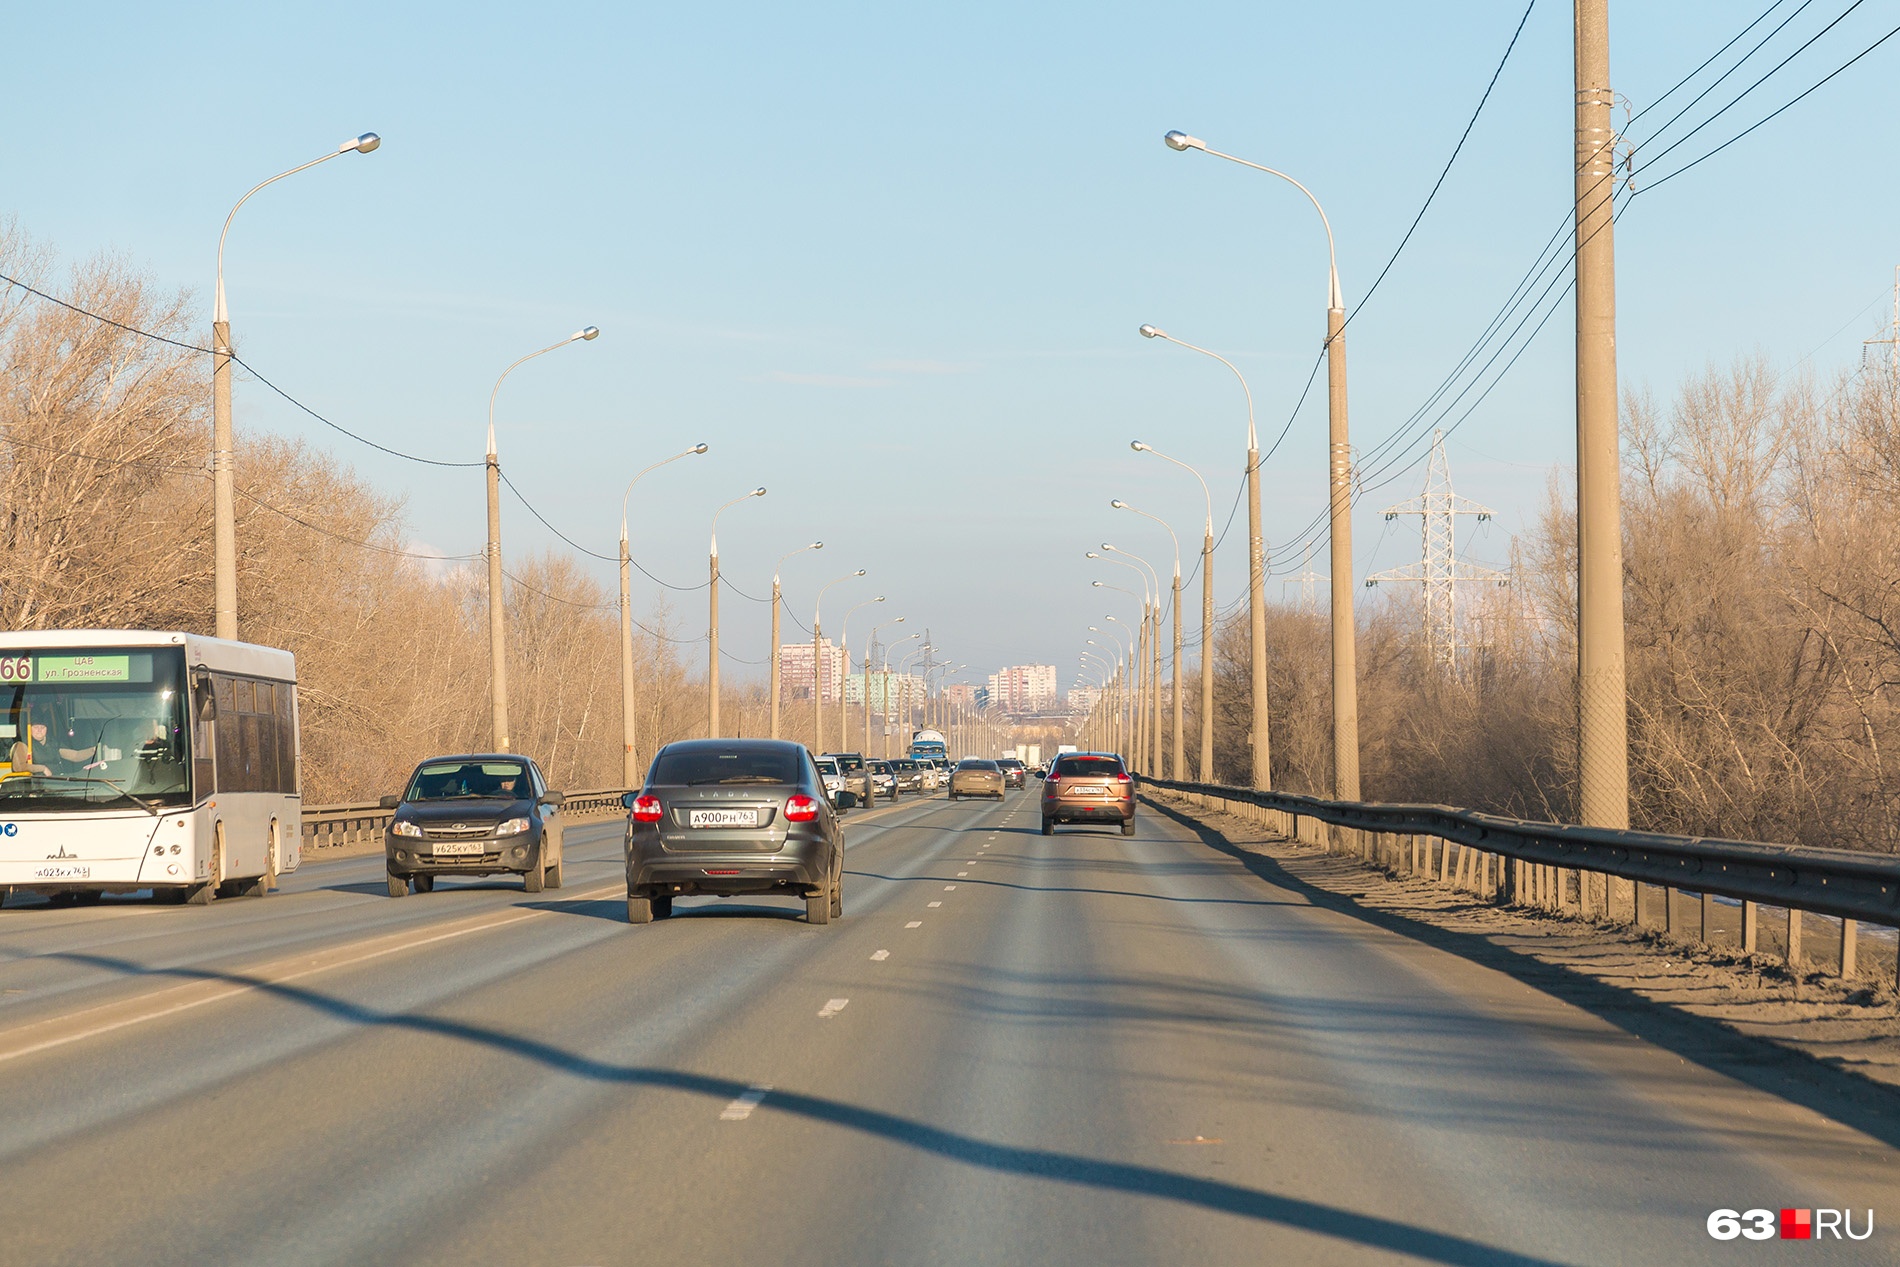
point(454, 848)
point(722, 818)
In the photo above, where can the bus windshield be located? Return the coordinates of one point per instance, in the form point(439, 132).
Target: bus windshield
point(85, 729)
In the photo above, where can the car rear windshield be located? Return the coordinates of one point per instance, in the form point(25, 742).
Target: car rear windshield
point(1089, 767)
point(465, 780)
point(1010, 763)
point(976, 763)
point(903, 765)
point(725, 765)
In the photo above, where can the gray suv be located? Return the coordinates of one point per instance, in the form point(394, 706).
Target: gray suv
point(731, 818)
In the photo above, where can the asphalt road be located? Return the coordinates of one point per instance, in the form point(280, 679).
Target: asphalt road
point(1013, 1049)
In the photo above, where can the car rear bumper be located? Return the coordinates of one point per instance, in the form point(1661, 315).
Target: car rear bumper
point(1079, 811)
point(801, 864)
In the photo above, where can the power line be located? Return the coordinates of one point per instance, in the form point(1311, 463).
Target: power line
point(1457, 149)
point(342, 430)
point(86, 312)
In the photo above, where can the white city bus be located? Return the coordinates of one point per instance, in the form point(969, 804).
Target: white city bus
point(138, 760)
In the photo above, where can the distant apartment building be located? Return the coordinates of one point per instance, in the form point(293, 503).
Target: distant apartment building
point(794, 669)
point(890, 692)
point(1024, 688)
point(1082, 699)
point(961, 693)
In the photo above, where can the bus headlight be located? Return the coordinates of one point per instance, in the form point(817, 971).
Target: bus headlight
point(513, 827)
point(403, 827)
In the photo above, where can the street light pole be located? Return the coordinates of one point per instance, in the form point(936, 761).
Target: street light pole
point(629, 767)
point(497, 612)
point(776, 604)
point(870, 648)
point(712, 628)
point(1142, 671)
point(844, 648)
point(1176, 769)
point(817, 668)
point(1207, 625)
point(1345, 653)
point(223, 459)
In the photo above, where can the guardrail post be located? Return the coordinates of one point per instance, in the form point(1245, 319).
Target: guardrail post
point(1708, 920)
point(1669, 909)
point(1794, 939)
point(1750, 917)
point(1850, 948)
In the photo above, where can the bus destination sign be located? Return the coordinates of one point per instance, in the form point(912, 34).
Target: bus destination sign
point(65, 668)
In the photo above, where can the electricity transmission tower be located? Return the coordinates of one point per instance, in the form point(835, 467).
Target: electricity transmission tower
point(1439, 570)
point(1308, 581)
point(1893, 331)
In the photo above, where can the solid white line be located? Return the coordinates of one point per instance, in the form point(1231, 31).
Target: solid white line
point(916, 923)
point(741, 1109)
point(832, 1008)
point(880, 956)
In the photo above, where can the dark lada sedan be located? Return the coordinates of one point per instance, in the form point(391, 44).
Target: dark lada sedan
point(475, 814)
point(733, 817)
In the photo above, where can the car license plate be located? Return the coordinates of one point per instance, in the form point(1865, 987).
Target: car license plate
point(722, 818)
point(1088, 789)
point(455, 847)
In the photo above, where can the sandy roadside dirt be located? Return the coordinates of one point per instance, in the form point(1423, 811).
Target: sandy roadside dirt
point(1852, 1025)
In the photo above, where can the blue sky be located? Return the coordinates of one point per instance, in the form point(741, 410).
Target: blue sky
point(889, 261)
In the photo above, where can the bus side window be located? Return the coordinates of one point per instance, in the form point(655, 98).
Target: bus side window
point(286, 739)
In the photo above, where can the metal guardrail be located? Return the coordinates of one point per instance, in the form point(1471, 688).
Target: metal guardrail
point(361, 824)
point(1834, 882)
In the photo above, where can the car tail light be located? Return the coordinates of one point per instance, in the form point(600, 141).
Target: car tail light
point(1051, 777)
point(800, 809)
point(1123, 778)
point(646, 809)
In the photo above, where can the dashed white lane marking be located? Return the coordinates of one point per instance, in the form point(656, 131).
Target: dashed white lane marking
point(961, 874)
point(949, 888)
point(741, 1109)
point(880, 956)
point(916, 923)
point(831, 1008)
point(936, 904)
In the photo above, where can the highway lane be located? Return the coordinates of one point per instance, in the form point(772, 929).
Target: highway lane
point(1085, 1048)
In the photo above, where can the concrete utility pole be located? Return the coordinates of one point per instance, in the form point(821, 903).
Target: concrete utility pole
point(629, 767)
point(1602, 702)
point(497, 613)
point(223, 459)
